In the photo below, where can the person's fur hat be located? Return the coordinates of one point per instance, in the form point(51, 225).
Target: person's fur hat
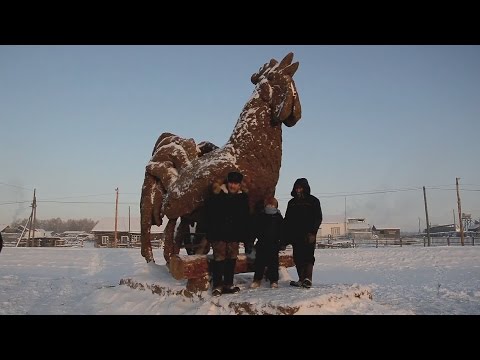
point(221, 185)
point(234, 177)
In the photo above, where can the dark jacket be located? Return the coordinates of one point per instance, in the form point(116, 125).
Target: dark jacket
point(268, 230)
point(303, 215)
point(228, 216)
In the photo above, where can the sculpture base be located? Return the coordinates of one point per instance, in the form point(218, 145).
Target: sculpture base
point(287, 300)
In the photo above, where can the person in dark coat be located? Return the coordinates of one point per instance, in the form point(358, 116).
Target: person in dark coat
point(267, 229)
point(302, 220)
point(228, 223)
point(1, 242)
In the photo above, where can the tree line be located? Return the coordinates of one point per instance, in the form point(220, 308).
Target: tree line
point(57, 225)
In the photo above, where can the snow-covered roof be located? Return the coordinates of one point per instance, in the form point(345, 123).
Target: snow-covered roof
point(386, 227)
point(37, 233)
point(3, 226)
point(108, 224)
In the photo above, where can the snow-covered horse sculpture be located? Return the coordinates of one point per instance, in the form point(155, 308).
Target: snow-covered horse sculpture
point(180, 172)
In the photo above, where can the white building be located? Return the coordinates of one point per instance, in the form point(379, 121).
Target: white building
point(336, 226)
point(332, 225)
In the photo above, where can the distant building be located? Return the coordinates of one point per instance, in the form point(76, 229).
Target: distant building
point(443, 228)
point(358, 228)
point(37, 233)
point(475, 227)
point(127, 235)
point(386, 232)
point(332, 225)
point(335, 226)
point(72, 233)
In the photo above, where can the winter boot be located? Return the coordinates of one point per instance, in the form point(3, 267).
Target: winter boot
point(301, 276)
point(307, 282)
point(230, 289)
point(217, 292)
point(255, 284)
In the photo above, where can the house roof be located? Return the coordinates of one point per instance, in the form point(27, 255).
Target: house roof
point(3, 226)
point(108, 224)
point(358, 226)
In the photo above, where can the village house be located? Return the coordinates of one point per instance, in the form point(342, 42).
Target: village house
point(384, 232)
point(128, 232)
point(335, 226)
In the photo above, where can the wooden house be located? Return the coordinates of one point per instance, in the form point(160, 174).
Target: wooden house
point(128, 232)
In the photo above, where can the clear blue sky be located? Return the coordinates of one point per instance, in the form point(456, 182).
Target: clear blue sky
point(78, 121)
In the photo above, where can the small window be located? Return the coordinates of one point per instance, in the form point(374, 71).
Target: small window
point(104, 240)
point(124, 239)
point(135, 238)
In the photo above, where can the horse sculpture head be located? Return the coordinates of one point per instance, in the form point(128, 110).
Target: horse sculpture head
point(275, 85)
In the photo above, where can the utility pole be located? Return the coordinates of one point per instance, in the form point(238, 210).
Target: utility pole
point(129, 240)
point(426, 215)
point(32, 221)
point(23, 231)
point(459, 212)
point(34, 215)
point(419, 226)
point(116, 215)
point(345, 220)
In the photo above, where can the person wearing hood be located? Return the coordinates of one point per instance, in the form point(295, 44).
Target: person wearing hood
point(228, 223)
point(267, 230)
point(303, 217)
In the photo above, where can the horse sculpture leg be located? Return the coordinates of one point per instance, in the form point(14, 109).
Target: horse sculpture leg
point(150, 201)
point(183, 231)
point(168, 248)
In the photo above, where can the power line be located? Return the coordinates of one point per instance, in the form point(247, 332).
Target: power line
point(15, 202)
point(15, 186)
point(384, 191)
point(281, 198)
point(79, 196)
point(84, 202)
point(334, 195)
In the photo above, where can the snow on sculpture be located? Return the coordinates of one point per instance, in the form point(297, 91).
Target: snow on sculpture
point(180, 173)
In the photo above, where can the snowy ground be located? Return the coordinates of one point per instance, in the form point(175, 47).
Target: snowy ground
point(407, 280)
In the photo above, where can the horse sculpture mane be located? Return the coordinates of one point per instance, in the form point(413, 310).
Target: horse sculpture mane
point(180, 173)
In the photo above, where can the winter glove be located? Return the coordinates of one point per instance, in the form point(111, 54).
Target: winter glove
point(311, 238)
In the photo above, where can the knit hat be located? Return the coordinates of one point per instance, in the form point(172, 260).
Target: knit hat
point(271, 201)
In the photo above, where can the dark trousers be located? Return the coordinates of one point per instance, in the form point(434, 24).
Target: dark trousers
point(224, 260)
point(304, 258)
point(266, 257)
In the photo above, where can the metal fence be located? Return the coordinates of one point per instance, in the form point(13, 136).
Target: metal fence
point(324, 243)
